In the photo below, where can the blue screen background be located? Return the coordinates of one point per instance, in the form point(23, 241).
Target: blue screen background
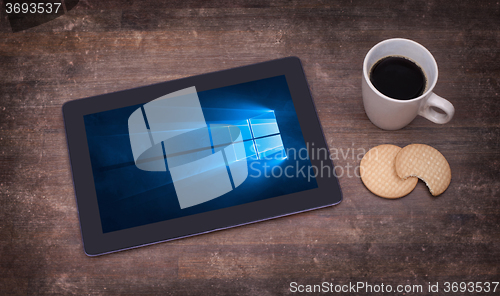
point(129, 197)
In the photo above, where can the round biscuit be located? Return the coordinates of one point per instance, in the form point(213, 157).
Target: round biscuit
point(426, 163)
point(379, 174)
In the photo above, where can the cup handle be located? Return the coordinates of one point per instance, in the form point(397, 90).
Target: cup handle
point(438, 102)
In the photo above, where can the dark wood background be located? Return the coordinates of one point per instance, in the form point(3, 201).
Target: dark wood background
point(105, 46)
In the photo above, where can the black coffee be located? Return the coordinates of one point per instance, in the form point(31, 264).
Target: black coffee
point(398, 78)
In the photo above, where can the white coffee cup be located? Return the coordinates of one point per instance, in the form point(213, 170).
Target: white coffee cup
point(392, 114)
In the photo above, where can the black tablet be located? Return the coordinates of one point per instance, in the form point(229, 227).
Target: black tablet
point(198, 154)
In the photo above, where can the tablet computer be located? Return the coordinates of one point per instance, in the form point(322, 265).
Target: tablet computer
point(197, 154)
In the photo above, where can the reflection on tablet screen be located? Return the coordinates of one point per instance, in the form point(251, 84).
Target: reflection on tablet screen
point(190, 152)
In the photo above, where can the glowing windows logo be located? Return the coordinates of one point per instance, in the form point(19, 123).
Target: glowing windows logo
point(205, 161)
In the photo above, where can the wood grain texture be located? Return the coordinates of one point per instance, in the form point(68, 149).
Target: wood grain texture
point(105, 46)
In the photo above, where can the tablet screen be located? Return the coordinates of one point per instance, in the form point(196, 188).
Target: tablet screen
point(191, 152)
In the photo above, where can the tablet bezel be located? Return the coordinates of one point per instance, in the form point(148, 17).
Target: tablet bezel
point(97, 243)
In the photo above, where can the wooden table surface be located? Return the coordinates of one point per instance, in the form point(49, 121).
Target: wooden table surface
point(105, 46)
